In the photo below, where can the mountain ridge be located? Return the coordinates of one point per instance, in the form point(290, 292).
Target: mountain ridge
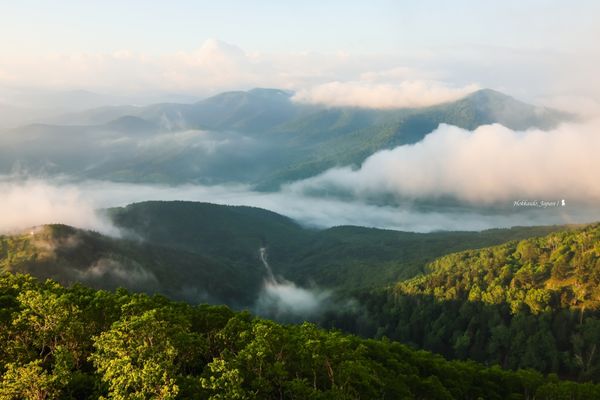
point(258, 137)
point(279, 97)
point(182, 247)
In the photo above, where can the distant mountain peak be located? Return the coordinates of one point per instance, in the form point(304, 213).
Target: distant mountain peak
point(271, 92)
point(491, 95)
point(491, 106)
point(131, 123)
point(257, 93)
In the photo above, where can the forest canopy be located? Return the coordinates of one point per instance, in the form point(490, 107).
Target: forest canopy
point(80, 343)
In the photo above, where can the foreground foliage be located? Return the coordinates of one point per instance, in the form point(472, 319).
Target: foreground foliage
point(79, 343)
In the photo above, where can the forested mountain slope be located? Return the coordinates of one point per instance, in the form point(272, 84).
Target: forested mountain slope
point(341, 257)
point(260, 137)
point(530, 303)
point(202, 252)
point(72, 255)
point(559, 271)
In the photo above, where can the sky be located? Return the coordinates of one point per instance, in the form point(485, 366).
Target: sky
point(537, 50)
point(272, 26)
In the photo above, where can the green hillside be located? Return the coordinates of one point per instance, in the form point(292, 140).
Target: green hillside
point(79, 343)
point(341, 257)
point(525, 304)
point(230, 232)
point(532, 303)
point(72, 255)
point(559, 271)
point(202, 252)
point(341, 136)
point(353, 257)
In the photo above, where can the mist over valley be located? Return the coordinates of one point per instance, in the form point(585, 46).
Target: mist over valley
point(318, 200)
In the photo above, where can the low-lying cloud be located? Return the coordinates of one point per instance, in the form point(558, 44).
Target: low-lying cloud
point(24, 204)
point(284, 300)
point(320, 212)
point(489, 165)
point(113, 272)
point(365, 94)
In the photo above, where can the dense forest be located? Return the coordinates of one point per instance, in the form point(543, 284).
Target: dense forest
point(79, 343)
point(525, 304)
point(516, 320)
point(339, 257)
point(200, 252)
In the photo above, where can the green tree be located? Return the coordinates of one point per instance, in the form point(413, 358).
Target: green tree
point(29, 381)
point(224, 382)
point(137, 357)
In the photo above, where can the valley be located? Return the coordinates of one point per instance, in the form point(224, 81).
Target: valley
point(436, 291)
point(311, 200)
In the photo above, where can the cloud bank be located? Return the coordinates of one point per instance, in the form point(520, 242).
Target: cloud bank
point(407, 94)
point(481, 172)
point(29, 203)
point(489, 165)
point(71, 203)
point(389, 80)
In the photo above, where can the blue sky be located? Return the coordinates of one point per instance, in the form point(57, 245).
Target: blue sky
point(275, 26)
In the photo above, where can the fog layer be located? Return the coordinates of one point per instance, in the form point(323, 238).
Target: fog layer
point(34, 202)
point(490, 165)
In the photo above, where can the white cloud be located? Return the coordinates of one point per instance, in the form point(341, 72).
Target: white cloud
point(389, 80)
point(134, 275)
point(218, 66)
point(489, 165)
point(411, 94)
point(286, 299)
point(54, 201)
point(214, 66)
point(31, 203)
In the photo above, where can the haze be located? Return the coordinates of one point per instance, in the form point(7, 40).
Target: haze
point(93, 117)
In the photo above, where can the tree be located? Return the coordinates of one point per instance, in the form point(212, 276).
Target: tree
point(137, 357)
point(224, 382)
point(29, 381)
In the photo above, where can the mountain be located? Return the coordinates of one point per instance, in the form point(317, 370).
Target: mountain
point(129, 124)
point(77, 150)
point(558, 271)
point(348, 136)
point(259, 137)
point(250, 111)
point(340, 257)
point(488, 106)
point(71, 255)
point(257, 110)
point(207, 252)
point(274, 111)
point(533, 303)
